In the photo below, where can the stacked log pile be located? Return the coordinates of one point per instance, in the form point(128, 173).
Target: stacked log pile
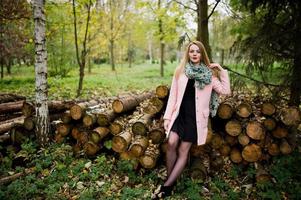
point(245, 130)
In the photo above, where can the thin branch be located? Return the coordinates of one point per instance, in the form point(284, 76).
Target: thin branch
point(217, 2)
point(252, 79)
point(187, 7)
point(75, 32)
point(87, 28)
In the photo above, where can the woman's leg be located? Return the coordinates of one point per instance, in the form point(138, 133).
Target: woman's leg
point(171, 154)
point(180, 163)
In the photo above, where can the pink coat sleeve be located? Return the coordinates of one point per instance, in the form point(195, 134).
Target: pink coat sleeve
point(171, 99)
point(222, 86)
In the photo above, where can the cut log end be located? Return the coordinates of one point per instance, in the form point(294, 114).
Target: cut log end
point(233, 128)
point(115, 128)
point(162, 91)
point(225, 111)
point(251, 153)
point(76, 112)
point(117, 106)
point(268, 109)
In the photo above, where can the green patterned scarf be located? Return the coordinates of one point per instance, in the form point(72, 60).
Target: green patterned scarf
point(202, 76)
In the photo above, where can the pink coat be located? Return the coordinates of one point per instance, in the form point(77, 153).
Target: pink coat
point(202, 99)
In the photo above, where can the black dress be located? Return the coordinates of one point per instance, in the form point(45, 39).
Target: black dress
point(185, 123)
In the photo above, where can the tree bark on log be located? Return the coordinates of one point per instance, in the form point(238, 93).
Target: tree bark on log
point(104, 119)
point(7, 125)
point(141, 126)
point(129, 103)
point(150, 157)
point(63, 129)
point(89, 119)
point(102, 132)
point(11, 107)
point(91, 148)
point(154, 105)
point(29, 123)
point(122, 141)
point(66, 117)
point(198, 170)
point(5, 98)
point(138, 146)
point(290, 116)
point(77, 111)
point(157, 136)
point(116, 128)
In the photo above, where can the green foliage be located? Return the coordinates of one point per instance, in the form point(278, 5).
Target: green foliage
point(235, 171)
point(189, 188)
point(132, 193)
point(287, 174)
point(221, 190)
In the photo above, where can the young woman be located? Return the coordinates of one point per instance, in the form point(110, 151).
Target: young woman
point(193, 95)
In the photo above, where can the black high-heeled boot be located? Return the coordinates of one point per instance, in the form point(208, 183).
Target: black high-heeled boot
point(164, 191)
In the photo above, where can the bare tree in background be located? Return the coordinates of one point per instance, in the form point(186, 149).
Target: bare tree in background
point(81, 58)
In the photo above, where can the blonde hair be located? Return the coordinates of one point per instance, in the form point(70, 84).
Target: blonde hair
point(185, 58)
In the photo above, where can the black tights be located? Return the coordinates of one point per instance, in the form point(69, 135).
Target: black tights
point(175, 162)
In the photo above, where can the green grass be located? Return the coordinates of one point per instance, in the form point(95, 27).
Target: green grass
point(102, 81)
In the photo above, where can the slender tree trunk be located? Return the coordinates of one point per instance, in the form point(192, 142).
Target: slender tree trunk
point(222, 57)
point(62, 48)
point(42, 113)
point(112, 54)
point(8, 67)
point(112, 38)
point(150, 49)
point(130, 50)
point(202, 30)
point(81, 60)
point(162, 48)
point(295, 88)
point(162, 45)
point(89, 65)
point(2, 69)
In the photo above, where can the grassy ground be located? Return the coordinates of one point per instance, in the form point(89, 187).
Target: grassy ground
point(101, 81)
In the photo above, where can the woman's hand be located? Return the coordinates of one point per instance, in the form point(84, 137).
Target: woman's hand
point(166, 124)
point(213, 65)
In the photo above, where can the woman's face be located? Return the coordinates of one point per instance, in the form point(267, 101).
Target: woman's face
point(194, 54)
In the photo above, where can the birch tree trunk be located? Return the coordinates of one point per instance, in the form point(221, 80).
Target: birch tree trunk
point(42, 113)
